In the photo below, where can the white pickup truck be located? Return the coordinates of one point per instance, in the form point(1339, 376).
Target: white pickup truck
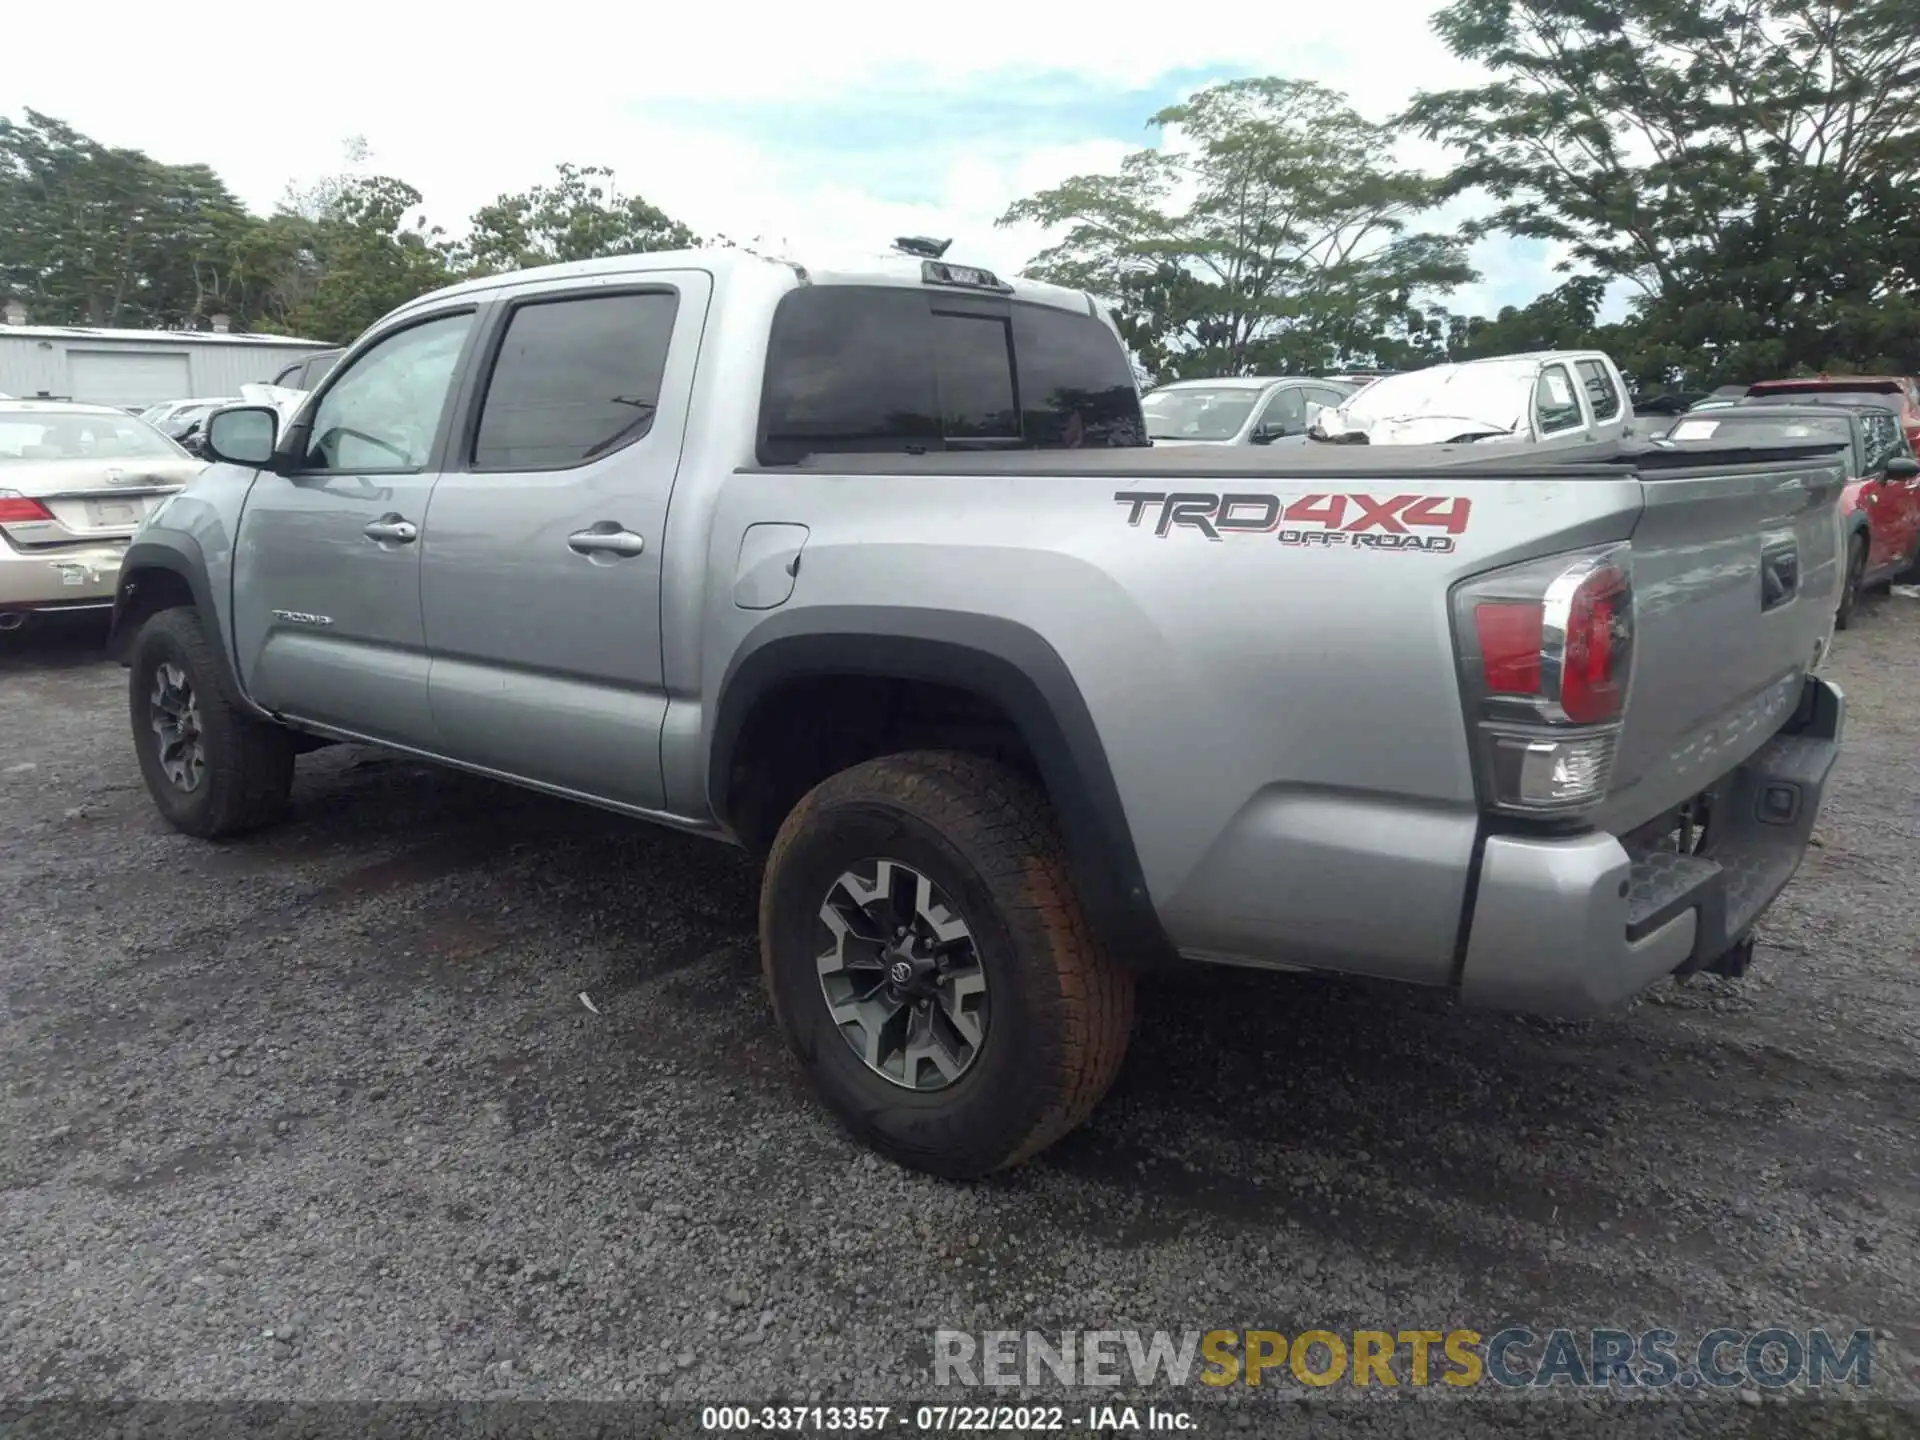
point(1549, 397)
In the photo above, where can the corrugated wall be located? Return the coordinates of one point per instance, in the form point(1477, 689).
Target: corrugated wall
point(26, 368)
point(34, 364)
point(223, 369)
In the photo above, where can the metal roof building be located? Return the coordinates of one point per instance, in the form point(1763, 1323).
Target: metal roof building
point(136, 368)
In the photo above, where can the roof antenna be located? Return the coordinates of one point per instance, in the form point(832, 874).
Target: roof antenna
point(923, 246)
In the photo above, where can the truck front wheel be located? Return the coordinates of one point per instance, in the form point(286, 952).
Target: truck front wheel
point(931, 967)
point(211, 768)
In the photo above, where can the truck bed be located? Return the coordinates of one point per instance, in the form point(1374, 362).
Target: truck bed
point(1716, 667)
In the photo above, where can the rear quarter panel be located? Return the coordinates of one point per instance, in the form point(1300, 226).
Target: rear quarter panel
point(1277, 698)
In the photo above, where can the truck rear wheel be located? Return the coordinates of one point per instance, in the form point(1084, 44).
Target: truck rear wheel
point(931, 967)
point(211, 768)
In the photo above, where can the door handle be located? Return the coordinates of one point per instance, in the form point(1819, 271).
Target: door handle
point(392, 530)
point(610, 540)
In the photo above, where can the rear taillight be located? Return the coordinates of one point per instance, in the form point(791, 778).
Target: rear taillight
point(1546, 653)
point(16, 508)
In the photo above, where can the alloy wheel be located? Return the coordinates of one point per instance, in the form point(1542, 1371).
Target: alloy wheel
point(902, 976)
point(174, 713)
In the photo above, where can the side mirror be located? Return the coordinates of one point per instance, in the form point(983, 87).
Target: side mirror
point(1263, 435)
point(242, 435)
point(1903, 467)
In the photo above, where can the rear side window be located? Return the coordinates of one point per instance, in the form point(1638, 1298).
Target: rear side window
point(891, 369)
point(1286, 411)
point(575, 379)
point(1602, 393)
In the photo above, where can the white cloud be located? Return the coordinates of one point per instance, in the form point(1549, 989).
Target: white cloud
point(466, 108)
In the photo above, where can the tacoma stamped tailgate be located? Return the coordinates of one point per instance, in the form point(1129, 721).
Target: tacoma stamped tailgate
point(1736, 572)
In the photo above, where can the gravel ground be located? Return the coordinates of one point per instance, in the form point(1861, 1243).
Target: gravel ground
point(320, 1115)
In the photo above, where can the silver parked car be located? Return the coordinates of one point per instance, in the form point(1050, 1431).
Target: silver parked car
point(1238, 410)
point(74, 482)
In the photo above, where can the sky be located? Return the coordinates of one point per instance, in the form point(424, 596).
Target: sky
point(827, 130)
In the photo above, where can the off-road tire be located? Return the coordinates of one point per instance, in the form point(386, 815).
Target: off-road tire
point(249, 762)
point(1850, 582)
point(1062, 1010)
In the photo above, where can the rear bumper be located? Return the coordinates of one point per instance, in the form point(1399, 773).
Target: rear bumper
point(1577, 926)
point(70, 577)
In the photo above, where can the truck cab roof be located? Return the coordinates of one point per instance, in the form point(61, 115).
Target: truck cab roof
point(726, 264)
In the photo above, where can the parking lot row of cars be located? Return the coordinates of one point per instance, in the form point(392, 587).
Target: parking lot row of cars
point(1565, 398)
point(61, 539)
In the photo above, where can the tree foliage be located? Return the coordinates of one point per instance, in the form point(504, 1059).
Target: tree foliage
point(1269, 232)
point(581, 216)
point(1745, 170)
point(369, 251)
point(100, 236)
point(1746, 166)
point(95, 235)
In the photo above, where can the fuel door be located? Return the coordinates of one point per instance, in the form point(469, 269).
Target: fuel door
point(768, 566)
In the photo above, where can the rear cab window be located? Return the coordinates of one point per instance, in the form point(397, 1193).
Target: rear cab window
point(897, 369)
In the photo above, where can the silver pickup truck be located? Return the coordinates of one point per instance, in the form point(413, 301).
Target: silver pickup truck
point(874, 573)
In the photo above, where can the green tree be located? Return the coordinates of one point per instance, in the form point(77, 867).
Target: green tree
point(1272, 235)
point(581, 216)
point(100, 236)
point(1741, 163)
point(369, 251)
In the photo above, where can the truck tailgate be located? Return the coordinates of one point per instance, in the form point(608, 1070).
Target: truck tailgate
point(1736, 572)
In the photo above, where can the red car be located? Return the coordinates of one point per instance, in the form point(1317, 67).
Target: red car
point(1880, 506)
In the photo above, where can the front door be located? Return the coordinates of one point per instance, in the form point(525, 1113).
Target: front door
point(1892, 506)
point(540, 577)
point(327, 572)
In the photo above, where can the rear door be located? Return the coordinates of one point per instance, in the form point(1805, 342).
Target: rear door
point(1603, 393)
point(540, 579)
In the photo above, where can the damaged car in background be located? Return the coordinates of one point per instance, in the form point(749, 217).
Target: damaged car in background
point(74, 482)
point(1557, 397)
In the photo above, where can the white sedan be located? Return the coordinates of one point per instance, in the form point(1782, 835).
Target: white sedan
point(75, 480)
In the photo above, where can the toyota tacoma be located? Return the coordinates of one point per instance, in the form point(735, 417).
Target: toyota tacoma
point(875, 573)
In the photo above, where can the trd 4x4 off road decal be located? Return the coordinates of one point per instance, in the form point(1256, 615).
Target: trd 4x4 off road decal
point(1360, 522)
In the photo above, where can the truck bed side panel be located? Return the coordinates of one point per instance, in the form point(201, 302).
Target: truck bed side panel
point(1269, 664)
